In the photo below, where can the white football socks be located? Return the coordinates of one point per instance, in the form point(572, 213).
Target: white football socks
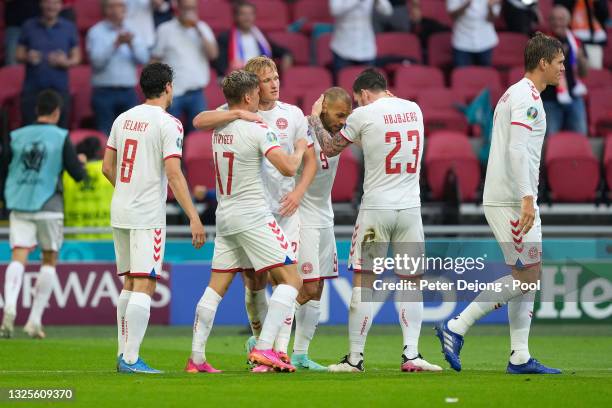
point(360, 321)
point(485, 302)
point(256, 306)
point(280, 306)
point(306, 321)
point(284, 334)
point(42, 292)
point(203, 323)
point(137, 319)
point(122, 302)
point(520, 310)
point(410, 311)
point(12, 286)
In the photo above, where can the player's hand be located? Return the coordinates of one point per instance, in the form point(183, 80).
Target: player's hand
point(527, 214)
point(250, 116)
point(317, 107)
point(198, 235)
point(290, 203)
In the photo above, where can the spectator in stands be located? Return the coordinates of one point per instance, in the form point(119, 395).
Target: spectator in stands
point(564, 105)
point(187, 45)
point(404, 12)
point(245, 41)
point(588, 21)
point(115, 50)
point(140, 15)
point(353, 41)
point(162, 12)
point(521, 16)
point(49, 46)
point(474, 35)
point(16, 12)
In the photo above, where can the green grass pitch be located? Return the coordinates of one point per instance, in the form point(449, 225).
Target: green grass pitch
point(82, 358)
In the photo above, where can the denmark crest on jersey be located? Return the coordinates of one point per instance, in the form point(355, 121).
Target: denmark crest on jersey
point(281, 123)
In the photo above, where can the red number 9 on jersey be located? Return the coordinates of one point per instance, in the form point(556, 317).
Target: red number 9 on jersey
point(127, 162)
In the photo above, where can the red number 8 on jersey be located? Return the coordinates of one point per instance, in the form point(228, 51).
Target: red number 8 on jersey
point(127, 162)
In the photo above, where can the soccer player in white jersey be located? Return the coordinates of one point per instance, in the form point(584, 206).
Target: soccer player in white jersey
point(283, 194)
point(143, 156)
point(248, 237)
point(390, 132)
point(510, 205)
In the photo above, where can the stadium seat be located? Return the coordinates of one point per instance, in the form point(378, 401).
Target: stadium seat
point(509, 50)
point(272, 15)
point(78, 135)
point(217, 14)
point(304, 79)
point(436, 10)
point(571, 166)
point(451, 150)
point(398, 45)
point(214, 96)
point(607, 161)
point(88, 13)
point(439, 49)
point(11, 78)
point(297, 43)
point(600, 111)
point(545, 7)
point(439, 106)
point(515, 74)
point(292, 96)
point(313, 11)
point(347, 177)
point(598, 79)
point(418, 77)
point(476, 79)
point(198, 159)
point(80, 90)
point(608, 55)
point(323, 50)
point(347, 76)
point(309, 98)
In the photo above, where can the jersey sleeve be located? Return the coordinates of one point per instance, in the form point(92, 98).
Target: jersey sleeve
point(111, 143)
point(352, 129)
point(523, 111)
point(172, 137)
point(302, 129)
point(267, 139)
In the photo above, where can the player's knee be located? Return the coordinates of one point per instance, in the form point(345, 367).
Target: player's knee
point(310, 290)
point(20, 255)
point(49, 258)
point(529, 274)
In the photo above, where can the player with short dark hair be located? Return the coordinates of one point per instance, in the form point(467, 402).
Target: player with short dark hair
point(511, 209)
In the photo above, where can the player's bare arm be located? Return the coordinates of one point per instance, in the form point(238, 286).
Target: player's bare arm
point(209, 120)
point(330, 145)
point(178, 184)
point(291, 201)
point(109, 165)
point(287, 164)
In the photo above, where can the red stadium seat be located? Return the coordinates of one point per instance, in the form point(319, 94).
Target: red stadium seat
point(310, 97)
point(418, 77)
point(607, 161)
point(439, 106)
point(571, 166)
point(436, 10)
point(510, 49)
point(608, 54)
point(292, 96)
point(297, 43)
point(88, 13)
point(600, 112)
point(306, 78)
point(314, 11)
point(476, 78)
point(515, 74)
point(11, 78)
point(80, 90)
point(347, 76)
point(451, 150)
point(403, 45)
point(440, 51)
point(214, 96)
point(198, 158)
point(323, 50)
point(347, 177)
point(217, 14)
point(78, 135)
point(598, 79)
point(272, 15)
point(545, 7)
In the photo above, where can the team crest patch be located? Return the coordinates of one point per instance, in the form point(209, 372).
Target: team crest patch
point(307, 268)
point(282, 123)
point(179, 142)
point(533, 253)
point(271, 137)
point(532, 113)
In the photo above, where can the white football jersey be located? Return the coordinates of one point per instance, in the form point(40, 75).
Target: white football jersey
point(390, 131)
point(289, 123)
point(521, 105)
point(316, 207)
point(143, 137)
point(239, 148)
